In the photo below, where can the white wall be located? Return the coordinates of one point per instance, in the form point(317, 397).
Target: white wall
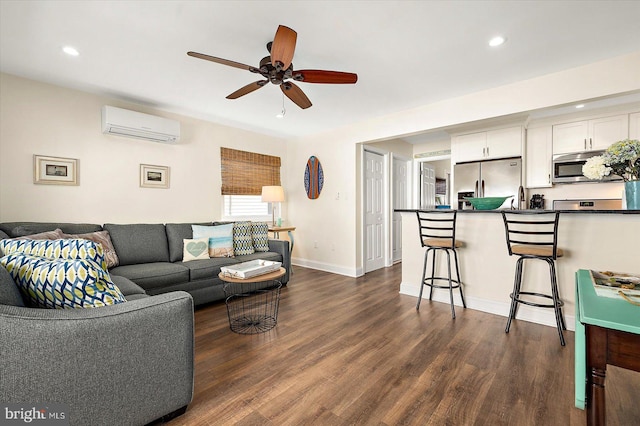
point(337, 222)
point(37, 118)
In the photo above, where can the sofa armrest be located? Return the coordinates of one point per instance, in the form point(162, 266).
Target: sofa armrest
point(282, 247)
point(129, 363)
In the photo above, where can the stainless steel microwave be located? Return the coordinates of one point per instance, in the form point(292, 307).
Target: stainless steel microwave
point(567, 168)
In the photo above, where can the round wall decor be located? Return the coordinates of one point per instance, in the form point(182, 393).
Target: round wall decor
point(313, 178)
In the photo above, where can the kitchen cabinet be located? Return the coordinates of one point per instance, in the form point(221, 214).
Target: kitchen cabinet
point(589, 135)
point(492, 144)
point(538, 157)
point(634, 126)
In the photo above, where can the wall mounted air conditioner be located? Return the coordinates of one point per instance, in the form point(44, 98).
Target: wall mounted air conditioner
point(123, 122)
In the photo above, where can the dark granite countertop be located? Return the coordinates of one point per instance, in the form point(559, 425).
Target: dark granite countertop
point(632, 212)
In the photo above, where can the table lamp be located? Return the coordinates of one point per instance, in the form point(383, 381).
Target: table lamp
point(272, 194)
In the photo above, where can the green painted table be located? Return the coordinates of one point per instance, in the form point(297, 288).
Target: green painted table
point(607, 332)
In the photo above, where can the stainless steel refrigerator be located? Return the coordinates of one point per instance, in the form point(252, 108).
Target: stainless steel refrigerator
point(492, 178)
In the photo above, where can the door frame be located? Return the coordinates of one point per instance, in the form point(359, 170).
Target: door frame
point(386, 203)
point(387, 164)
point(416, 177)
point(409, 163)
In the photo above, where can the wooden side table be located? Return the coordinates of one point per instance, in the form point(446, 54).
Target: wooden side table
point(607, 332)
point(288, 229)
point(252, 303)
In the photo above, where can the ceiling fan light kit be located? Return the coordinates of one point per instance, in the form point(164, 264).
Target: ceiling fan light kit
point(277, 68)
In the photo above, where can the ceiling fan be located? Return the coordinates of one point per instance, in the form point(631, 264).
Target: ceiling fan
point(277, 69)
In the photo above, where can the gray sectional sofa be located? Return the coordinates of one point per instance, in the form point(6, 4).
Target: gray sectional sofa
point(150, 255)
point(131, 363)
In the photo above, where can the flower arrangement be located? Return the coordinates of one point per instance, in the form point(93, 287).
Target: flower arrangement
point(622, 159)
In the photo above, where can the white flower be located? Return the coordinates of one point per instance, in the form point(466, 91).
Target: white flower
point(595, 168)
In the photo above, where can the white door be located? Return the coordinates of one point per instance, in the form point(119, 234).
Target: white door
point(399, 202)
point(374, 211)
point(427, 186)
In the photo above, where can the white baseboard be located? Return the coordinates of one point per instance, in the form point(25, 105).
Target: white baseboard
point(525, 313)
point(326, 267)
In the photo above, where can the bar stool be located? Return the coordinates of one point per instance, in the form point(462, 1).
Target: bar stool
point(438, 233)
point(534, 235)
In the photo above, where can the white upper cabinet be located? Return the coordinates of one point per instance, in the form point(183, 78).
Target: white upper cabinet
point(538, 157)
point(500, 143)
point(504, 143)
point(469, 147)
point(589, 135)
point(634, 126)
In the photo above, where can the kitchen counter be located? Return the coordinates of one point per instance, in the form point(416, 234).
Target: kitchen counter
point(591, 239)
point(508, 210)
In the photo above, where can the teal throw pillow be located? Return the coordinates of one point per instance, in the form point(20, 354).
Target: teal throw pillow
point(260, 236)
point(73, 249)
point(220, 238)
point(242, 240)
point(62, 283)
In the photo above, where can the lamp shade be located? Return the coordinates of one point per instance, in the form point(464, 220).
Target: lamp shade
point(272, 194)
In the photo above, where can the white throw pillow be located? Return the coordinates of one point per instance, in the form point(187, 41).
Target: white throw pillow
point(196, 249)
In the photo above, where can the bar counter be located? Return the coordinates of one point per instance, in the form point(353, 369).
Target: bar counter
point(591, 239)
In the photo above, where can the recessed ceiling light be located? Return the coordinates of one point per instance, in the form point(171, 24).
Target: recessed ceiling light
point(71, 51)
point(497, 41)
point(580, 106)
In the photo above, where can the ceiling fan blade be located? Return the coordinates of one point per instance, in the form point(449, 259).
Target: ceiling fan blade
point(283, 47)
point(247, 89)
point(222, 61)
point(329, 77)
point(296, 94)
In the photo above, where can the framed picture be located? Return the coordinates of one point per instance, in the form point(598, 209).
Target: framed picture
point(55, 170)
point(154, 176)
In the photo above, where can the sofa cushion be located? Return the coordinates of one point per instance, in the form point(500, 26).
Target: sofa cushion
point(207, 269)
point(56, 249)
point(153, 275)
point(139, 243)
point(196, 249)
point(100, 237)
point(268, 255)
point(260, 236)
point(62, 283)
point(126, 286)
point(21, 229)
point(242, 243)
point(176, 234)
point(220, 239)
point(9, 292)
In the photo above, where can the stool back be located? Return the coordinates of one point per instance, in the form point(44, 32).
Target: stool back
point(439, 226)
point(534, 233)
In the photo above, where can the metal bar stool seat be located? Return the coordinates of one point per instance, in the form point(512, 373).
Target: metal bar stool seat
point(438, 233)
point(534, 235)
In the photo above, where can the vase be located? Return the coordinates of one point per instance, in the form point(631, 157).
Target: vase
point(632, 194)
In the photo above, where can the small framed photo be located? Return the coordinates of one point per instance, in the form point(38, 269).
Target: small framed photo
point(55, 170)
point(154, 176)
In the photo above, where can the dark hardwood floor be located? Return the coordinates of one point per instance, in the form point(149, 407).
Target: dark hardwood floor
point(352, 351)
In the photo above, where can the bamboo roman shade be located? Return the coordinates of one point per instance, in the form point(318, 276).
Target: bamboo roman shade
point(245, 173)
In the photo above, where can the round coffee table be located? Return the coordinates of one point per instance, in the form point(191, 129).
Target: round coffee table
point(252, 303)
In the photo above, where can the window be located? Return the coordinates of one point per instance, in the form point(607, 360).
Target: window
point(243, 176)
point(246, 206)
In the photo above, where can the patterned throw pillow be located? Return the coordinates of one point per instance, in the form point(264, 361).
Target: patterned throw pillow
point(242, 242)
point(196, 249)
point(220, 238)
point(100, 237)
point(260, 235)
point(62, 283)
point(56, 249)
